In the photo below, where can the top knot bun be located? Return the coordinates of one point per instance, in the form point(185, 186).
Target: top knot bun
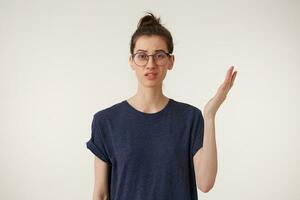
point(149, 20)
point(150, 25)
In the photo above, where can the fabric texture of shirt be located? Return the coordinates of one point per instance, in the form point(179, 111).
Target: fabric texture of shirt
point(150, 155)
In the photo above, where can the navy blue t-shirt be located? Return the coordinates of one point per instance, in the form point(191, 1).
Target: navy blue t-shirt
point(150, 155)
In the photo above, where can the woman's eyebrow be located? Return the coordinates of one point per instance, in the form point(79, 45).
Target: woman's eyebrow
point(160, 50)
point(155, 50)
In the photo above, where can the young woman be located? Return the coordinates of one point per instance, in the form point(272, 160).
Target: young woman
point(150, 146)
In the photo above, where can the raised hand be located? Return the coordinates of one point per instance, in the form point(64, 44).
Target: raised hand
point(214, 103)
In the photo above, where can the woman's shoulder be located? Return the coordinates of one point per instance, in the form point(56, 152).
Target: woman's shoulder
point(110, 110)
point(186, 106)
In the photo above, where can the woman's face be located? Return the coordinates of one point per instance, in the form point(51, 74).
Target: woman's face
point(151, 45)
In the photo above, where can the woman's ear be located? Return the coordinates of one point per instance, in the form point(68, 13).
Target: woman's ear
point(130, 61)
point(171, 63)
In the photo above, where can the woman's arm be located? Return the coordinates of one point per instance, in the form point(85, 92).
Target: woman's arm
point(205, 160)
point(101, 180)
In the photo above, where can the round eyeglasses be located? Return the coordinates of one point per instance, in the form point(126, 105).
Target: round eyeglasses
point(141, 58)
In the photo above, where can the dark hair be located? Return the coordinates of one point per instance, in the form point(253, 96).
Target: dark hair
point(150, 25)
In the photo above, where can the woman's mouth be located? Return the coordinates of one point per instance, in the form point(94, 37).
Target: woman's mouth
point(151, 76)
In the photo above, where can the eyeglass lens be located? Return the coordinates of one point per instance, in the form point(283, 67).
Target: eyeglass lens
point(142, 58)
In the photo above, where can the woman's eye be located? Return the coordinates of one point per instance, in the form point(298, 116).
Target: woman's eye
point(160, 55)
point(141, 56)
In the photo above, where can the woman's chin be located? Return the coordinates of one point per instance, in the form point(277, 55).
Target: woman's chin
point(155, 83)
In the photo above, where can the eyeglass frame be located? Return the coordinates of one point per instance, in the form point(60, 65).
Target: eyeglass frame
point(148, 55)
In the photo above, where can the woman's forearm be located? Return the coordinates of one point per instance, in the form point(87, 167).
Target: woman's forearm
point(207, 160)
point(97, 196)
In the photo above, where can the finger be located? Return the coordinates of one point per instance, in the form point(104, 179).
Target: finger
point(233, 78)
point(231, 81)
point(228, 78)
point(228, 75)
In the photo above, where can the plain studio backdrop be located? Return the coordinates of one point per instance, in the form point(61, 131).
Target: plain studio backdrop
point(61, 61)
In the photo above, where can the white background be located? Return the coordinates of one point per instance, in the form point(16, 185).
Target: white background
point(61, 61)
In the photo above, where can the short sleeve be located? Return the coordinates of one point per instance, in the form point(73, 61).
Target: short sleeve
point(96, 144)
point(197, 132)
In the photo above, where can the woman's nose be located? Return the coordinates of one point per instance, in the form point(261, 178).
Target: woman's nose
point(151, 62)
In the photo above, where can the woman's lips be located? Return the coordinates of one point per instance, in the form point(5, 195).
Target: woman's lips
point(151, 76)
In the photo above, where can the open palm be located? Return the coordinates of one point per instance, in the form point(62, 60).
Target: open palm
point(214, 103)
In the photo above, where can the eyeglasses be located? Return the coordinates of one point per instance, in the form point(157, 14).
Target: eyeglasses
point(141, 58)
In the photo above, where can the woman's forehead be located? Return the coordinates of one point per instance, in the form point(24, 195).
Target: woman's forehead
point(151, 44)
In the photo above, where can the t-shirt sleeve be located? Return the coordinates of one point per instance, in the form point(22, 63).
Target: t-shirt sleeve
point(197, 132)
point(96, 144)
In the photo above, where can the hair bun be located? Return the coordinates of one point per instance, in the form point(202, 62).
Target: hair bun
point(150, 25)
point(149, 20)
